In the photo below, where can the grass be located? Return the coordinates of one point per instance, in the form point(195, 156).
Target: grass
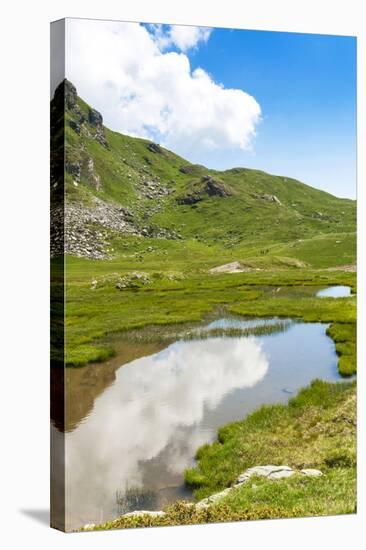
point(315, 430)
point(344, 336)
point(321, 417)
point(94, 314)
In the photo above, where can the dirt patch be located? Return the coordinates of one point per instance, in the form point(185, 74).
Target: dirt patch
point(349, 268)
point(233, 267)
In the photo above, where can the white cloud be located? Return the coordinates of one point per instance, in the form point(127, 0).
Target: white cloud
point(183, 37)
point(125, 72)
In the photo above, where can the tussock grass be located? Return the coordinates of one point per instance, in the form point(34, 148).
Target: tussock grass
point(302, 434)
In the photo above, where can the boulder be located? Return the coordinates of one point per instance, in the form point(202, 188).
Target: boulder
point(311, 472)
point(269, 471)
point(155, 148)
point(213, 499)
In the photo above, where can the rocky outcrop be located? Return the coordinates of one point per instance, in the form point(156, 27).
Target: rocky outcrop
point(71, 94)
point(189, 199)
point(96, 122)
point(206, 186)
point(92, 125)
point(93, 177)
point(215, 187)
point(134, 280)
point(74, 169)
point(155, 148)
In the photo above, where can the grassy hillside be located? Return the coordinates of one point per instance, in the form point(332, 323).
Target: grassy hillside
point(238, 213)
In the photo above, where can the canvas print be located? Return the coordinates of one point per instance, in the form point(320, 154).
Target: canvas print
point(203, 275)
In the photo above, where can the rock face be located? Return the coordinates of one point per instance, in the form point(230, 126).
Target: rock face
point(215, 187)
point(206, 186)
point(70, 94)
point(96, 121)
point(95, 118)
point(92, 125)
point(92, 175)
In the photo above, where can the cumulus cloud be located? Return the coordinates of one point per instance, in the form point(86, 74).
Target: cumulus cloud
point(183, 37)
point(126, 71)
point(158, 409)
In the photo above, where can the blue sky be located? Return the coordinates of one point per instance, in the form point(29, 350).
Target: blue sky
point(284, 103)
point(306, 87)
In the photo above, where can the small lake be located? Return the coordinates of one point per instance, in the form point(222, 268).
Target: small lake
point(335, 292)
point(134, 423)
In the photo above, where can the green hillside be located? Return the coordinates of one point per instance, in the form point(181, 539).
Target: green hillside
point(237, 214)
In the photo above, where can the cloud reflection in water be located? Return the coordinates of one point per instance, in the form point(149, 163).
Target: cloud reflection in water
point(155, 408)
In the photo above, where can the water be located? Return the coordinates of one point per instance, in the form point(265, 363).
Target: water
point(335, 292)
point(134, 423)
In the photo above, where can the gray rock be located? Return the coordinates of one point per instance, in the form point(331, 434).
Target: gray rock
point(155, 148)
point(95, 118)
point(269, 471)
point(139, 513)
point(311, 472)
point(213, 498)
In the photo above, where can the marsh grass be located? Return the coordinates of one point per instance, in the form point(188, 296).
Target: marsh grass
point(135, 498)
point(93, 315)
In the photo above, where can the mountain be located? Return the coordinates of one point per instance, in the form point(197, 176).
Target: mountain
point(122, 189)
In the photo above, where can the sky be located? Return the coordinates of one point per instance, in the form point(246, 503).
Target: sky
point(280, 102)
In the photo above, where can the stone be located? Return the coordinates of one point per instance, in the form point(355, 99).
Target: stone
point(311, 472)
point(89, 526)
point(269, 471)
point(213, 498)
point(139, 513)
point(75, 126)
